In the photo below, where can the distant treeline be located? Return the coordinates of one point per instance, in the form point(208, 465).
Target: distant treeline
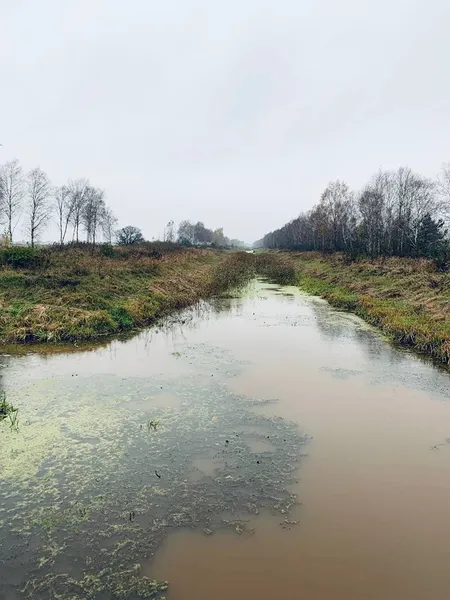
point(196, 234)
point(398, 213)
point(79, 211)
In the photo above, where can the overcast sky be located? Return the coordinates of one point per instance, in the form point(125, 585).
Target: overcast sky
point(236, 113)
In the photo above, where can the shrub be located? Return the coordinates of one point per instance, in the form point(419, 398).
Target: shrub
point(278, 268)
point(107, 250)
point(234, 271)
point(22, 257)
point(155, 250)
point(442, 263)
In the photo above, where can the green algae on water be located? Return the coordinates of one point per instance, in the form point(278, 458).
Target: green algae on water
point(88, 490)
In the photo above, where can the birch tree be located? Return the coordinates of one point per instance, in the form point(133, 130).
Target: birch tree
point(398, 213)
point(78, 192)
point(38, 205)
point(13, 190)
point(92, 213)
point(109, 223)
point(64, 208)
point(443, 188)
point(186, 232)
point(169, 232)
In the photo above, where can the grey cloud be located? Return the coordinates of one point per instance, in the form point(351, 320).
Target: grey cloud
point(236, 113)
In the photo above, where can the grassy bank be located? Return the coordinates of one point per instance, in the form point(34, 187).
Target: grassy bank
point(75, 293)
point(406, 298)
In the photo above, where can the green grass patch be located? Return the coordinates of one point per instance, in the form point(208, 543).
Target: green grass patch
point(405, 298)
point(122, 317)
point(337, 296)
point(8, 412)
point(23, 257)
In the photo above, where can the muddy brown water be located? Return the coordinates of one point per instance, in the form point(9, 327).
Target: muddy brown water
point(374, 517)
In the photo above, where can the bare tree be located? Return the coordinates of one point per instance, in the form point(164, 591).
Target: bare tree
point(64, 208)
point(109, 223)
point(333, 202)
point(38, 205)
point(186, 232)
point(370, 205)
point(78, 192)
point(443, 189)
point(383, 186)
point(423, 203)
point(398, 213)
point(169, 232)
point(218, 238)
point(13, 191)
point(202, 235)
point(2, 198)
point(92, 214)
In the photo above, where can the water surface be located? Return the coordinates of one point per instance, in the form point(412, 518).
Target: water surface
point(180, 454)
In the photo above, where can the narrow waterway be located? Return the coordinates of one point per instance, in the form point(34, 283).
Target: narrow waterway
point(262, 446)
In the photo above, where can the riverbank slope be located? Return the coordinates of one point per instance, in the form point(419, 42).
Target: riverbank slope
point(75, 293)
point(408, 299)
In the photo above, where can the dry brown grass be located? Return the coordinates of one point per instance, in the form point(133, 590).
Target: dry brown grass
point(406, 298)
point(80, 295)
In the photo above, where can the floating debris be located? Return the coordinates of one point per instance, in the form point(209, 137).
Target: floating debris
point(286, 524)
point(438, 446)
point(152, 424)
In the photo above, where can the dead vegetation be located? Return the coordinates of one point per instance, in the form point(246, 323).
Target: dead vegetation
point(75, 293)
point(79, 293)
point(406, 298)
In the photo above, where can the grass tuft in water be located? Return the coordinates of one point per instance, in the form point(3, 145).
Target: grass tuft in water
point(8, 411)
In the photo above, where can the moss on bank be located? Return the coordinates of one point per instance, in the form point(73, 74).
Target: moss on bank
point(406, 298)
point(76, 294)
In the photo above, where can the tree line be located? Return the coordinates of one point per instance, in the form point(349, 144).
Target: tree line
point(398, 213)
point(31, 198)
point(196, 234)
point(80, 212)
point(187, 234)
